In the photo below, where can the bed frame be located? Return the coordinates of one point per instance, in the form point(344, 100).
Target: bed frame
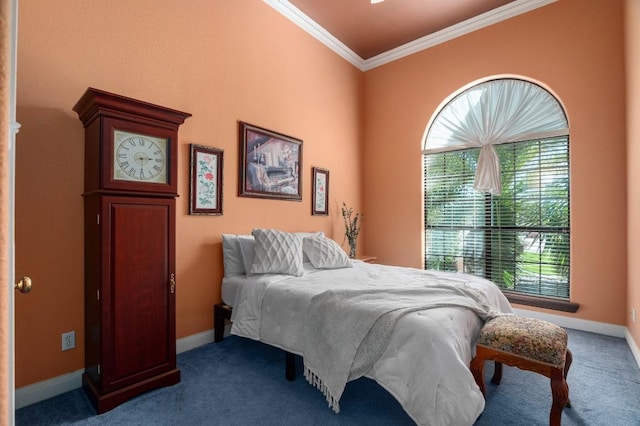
point(222, 314)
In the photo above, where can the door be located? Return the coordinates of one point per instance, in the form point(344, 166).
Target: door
point(9, 382)
point(13, 129)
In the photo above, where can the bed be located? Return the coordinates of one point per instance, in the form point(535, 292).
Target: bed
point(412, 331)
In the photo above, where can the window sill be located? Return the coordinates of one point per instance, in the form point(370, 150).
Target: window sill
point(542, 302)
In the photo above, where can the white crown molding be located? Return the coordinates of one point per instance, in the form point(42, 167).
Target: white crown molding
point(502, 13)
point(310, 26)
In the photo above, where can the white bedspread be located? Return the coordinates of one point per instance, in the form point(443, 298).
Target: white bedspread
point(425, 364)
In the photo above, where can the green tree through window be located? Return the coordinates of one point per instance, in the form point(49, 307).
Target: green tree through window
point(518, 239)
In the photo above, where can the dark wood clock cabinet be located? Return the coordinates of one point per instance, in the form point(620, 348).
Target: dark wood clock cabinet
point(130, 187)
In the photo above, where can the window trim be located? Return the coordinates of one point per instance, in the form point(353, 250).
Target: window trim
point(541, 302)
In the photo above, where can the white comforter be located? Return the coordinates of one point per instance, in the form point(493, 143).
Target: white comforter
point(425, 365)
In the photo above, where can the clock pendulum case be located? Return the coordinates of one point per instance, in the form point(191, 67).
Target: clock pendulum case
point(130, 190)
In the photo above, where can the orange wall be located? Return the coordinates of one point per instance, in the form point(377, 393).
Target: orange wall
point(574, 47)
point(632, 25)
point(221, 61)
point(230, 60)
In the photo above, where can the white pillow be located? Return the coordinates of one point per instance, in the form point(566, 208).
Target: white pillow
point(244, 251)
point(309, 234)
point(324, 253)
point(277, 252)
point(231, 256)
point(248, 251)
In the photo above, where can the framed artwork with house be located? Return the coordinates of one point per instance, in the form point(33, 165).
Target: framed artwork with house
point(270, 164)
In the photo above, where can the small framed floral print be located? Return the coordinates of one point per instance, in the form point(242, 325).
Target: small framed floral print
point(320, 192)
point(206, 180)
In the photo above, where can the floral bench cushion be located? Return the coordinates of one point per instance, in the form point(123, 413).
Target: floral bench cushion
point(527, 337)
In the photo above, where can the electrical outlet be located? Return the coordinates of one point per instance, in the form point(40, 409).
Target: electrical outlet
point(68, 340)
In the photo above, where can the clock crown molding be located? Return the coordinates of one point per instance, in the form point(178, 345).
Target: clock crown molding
point(95, 102)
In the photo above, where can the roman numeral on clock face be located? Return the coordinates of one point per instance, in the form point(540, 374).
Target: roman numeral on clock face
point(140, 158)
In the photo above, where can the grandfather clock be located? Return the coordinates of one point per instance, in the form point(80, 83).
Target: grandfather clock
point(130, 187)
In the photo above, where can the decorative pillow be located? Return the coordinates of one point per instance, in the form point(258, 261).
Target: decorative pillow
point(247, 246)
point(324, 253)
point(309, 234)
point(277, 252)
point(231, 256)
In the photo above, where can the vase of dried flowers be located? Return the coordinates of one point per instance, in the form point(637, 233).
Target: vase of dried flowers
point(352, 224)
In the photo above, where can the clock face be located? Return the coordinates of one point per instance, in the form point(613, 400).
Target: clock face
point(139, 158)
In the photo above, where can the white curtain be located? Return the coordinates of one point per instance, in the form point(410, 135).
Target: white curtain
point(495, 112)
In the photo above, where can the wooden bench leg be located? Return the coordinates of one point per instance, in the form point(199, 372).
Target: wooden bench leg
point(567, 365)
point(560, 392)
point(497, 373)
point(477, 369)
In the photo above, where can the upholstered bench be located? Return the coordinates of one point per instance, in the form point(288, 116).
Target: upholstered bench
point(529, 344)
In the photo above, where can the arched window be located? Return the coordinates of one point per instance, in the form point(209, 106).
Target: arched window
point(496, 189)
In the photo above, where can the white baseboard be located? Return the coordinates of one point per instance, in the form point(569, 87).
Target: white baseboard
point(576, 323)
point(194, 341)
point(634, 347)
point(46, 389)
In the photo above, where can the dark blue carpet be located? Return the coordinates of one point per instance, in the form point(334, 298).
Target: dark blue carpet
point(241, 382)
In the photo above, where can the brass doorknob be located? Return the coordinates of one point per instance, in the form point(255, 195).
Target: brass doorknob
point(24, 285)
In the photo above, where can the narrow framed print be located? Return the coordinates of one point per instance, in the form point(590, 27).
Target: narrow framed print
point(270, 164)
point(320, 192)
point(206, 180)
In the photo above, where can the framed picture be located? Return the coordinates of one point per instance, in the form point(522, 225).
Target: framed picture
point(270, 164)
point(320, 191)
point(206, 180)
